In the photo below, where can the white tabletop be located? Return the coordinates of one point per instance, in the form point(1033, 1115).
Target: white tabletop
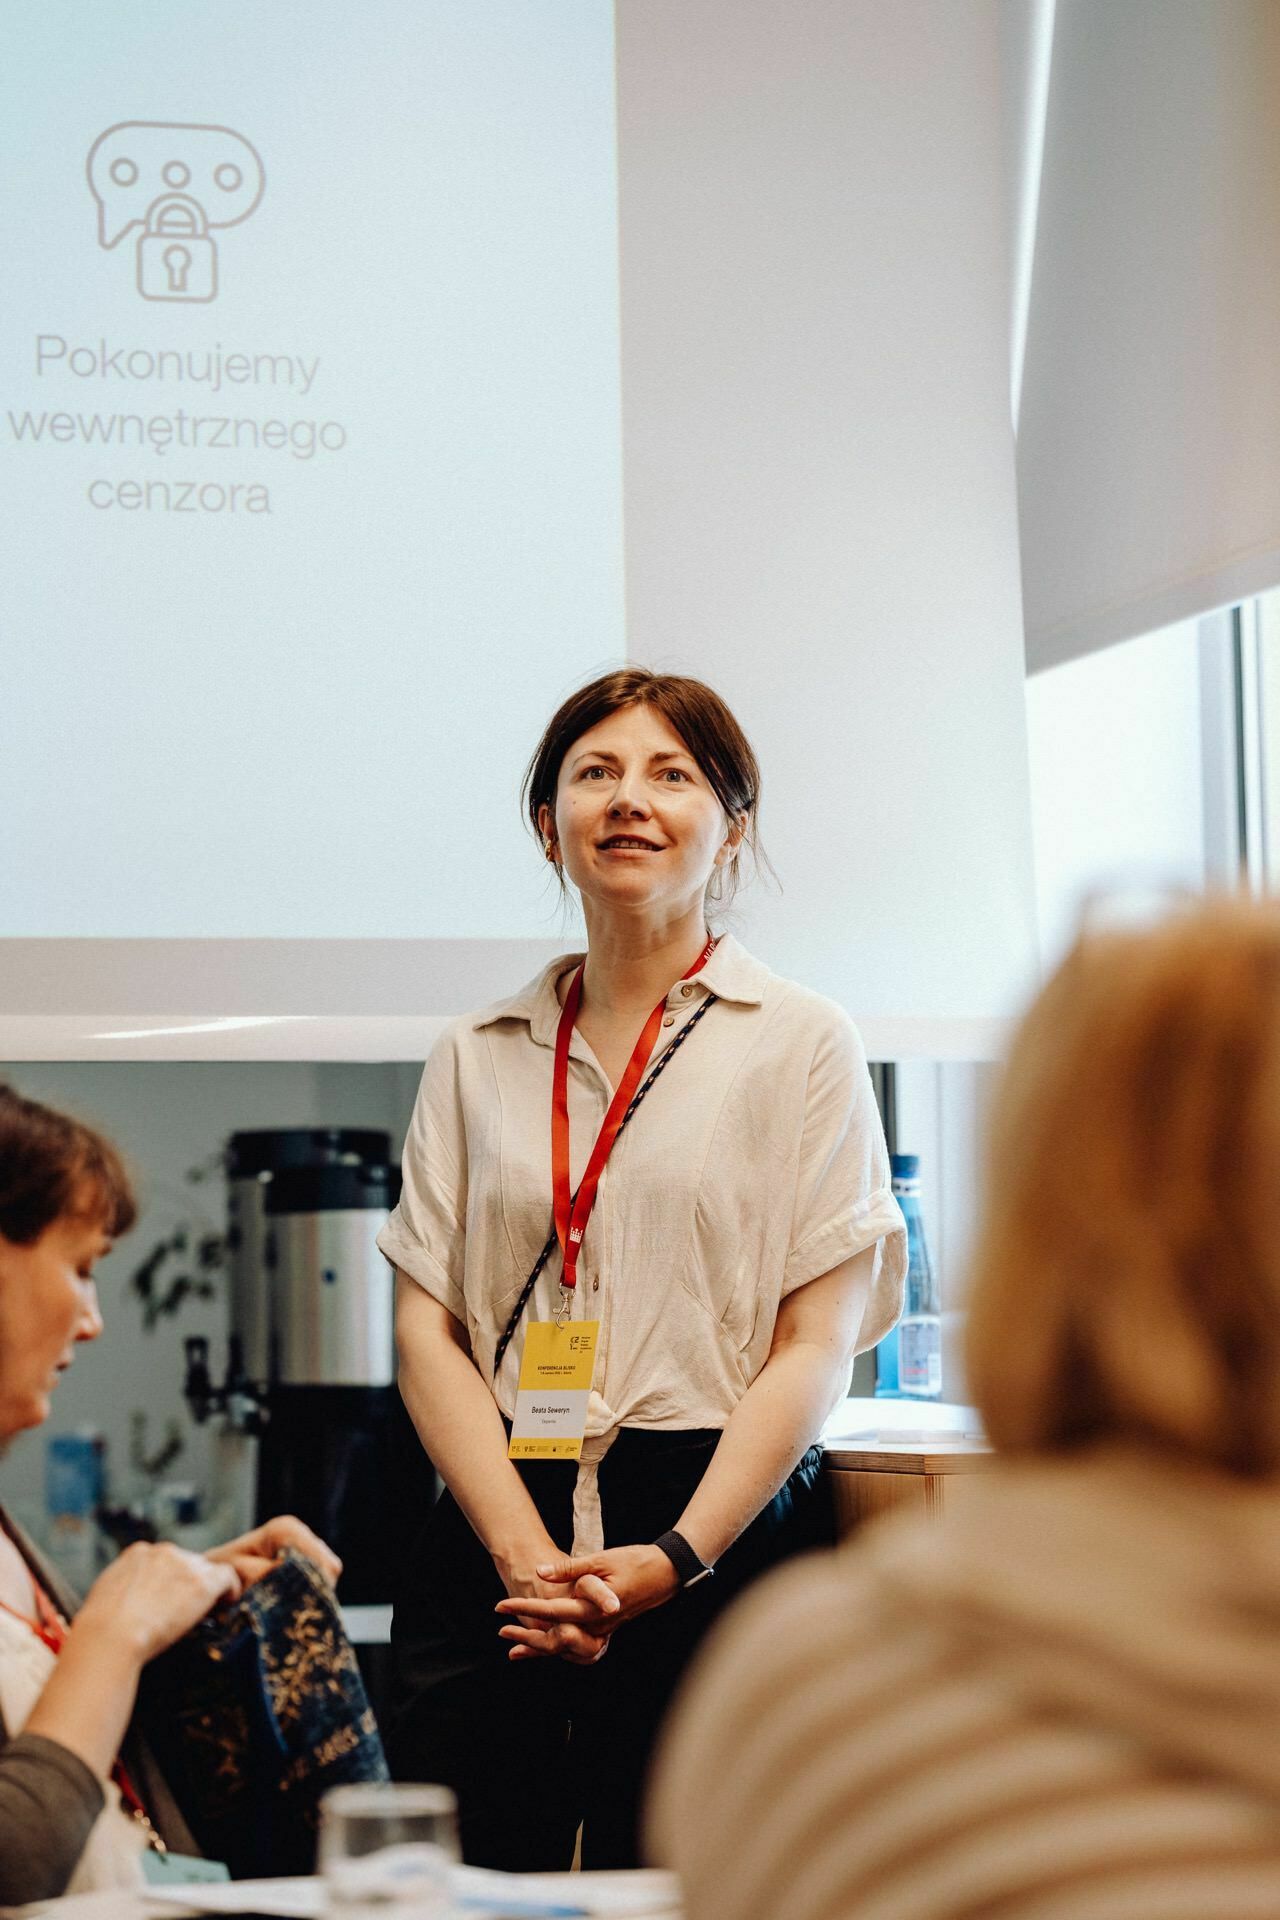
point(644, 1895)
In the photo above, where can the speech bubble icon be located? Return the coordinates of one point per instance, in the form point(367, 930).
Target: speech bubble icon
point(137, 162)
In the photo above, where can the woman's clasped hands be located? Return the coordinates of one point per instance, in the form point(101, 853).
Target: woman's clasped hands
point(576, 1603)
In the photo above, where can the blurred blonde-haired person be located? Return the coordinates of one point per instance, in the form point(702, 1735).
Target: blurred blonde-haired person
point(1060, 1700)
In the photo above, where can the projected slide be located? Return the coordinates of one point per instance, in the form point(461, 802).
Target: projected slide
point(309, 413)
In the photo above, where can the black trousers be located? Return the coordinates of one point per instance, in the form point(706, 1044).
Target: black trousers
point(533, 1748)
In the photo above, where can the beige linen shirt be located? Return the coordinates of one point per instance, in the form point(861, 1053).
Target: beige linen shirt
point(756, 1164)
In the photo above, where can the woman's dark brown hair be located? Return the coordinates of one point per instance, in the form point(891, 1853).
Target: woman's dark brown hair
point(694, 711)
point(51, 1165)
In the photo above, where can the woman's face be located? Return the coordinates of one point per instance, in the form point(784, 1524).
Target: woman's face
point(48, 1302)
point(636, 824)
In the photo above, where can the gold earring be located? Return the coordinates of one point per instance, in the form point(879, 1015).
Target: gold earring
point(549, 847)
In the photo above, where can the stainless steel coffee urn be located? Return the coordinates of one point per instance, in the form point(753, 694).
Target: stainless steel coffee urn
point(253, 1161)
point(337, 1448)
point(310, 1379)
point(331, 1286)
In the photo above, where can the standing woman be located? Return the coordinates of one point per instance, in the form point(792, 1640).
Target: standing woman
point(728, 1250)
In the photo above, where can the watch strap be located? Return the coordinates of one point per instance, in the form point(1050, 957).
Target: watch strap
point(683, 1558)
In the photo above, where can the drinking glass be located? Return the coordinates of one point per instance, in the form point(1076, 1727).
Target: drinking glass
point(387, 1851)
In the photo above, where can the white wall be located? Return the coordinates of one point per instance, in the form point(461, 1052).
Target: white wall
point(818, 467)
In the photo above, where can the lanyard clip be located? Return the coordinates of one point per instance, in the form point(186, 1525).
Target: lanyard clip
point(565, 1309)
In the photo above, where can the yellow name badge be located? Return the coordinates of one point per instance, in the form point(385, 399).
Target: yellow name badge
point(555, 1385)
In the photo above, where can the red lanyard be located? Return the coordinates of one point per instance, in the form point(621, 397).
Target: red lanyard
point(49, 1627)
point(52, 1629)
point(573, 1211)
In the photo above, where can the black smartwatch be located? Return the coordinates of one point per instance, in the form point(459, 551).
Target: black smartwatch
point(683, 1558)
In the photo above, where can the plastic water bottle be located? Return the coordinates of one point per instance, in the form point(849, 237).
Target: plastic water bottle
point(920, 1328)
point(887, 1366)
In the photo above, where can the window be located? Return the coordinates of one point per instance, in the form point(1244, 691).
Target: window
point(1154, 762)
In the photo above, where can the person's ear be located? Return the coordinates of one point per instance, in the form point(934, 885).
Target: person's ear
point(732, 843)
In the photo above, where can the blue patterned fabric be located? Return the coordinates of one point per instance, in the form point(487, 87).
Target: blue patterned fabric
point(256, 1714)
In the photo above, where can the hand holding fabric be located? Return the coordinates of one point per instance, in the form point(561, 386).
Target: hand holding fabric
point(150, 1597)
point(252, 1553)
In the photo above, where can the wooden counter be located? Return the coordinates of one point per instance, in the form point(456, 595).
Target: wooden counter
point(878, 1472)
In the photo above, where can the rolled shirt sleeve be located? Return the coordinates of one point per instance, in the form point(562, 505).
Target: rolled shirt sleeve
point(49, 1800)
point(844, 1201)
point(425, 1235)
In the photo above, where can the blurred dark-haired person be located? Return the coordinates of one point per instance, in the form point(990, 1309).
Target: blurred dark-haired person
point(722, 1256)
point(80, 1798)
point(1060, 1700)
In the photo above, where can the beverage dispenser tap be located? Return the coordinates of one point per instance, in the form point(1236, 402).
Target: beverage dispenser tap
point(242, 1404)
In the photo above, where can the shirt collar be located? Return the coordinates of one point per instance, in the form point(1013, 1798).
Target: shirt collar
point(731, 974)
point(537, 1003)
point(734, 974)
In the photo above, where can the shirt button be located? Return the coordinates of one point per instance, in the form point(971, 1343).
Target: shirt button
point(595, 1284)
point(670, 1020)
point(687, 989)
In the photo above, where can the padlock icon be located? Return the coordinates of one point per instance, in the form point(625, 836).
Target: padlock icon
point(177, 259)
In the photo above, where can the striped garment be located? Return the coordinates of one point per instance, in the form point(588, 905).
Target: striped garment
point(1060, 1701)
